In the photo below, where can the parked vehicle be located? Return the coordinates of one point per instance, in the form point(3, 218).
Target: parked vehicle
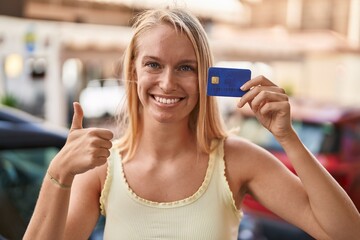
point(330, 132)
point(27, 145)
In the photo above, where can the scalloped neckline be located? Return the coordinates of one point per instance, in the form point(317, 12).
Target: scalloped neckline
point(177, 203)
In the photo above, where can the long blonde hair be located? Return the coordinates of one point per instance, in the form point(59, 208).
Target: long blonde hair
point(205, 119)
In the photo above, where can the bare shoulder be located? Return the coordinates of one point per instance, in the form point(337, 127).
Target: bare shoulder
point(241, 150)
point(235, 145)
point(92, 180)
point(102, 173)
point(245, 159)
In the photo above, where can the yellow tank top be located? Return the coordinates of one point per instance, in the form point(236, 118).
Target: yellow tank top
point(209, 214)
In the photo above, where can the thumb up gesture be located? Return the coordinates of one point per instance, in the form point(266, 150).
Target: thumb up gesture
point(85, 148)
point(78, 116)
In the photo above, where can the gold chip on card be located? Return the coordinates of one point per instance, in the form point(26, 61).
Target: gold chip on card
point(215, 80)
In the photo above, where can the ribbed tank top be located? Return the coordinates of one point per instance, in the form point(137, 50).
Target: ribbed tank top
point(209, 214)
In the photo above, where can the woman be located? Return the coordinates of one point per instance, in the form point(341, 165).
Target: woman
point(174, 173)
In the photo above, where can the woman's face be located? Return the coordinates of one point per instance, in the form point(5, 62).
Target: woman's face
point(167, 76)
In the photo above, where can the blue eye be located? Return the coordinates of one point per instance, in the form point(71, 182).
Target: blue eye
point(152, 65)
point(186, 68)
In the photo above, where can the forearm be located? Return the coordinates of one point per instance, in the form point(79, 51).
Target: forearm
point(328, 202)
point(49, 218)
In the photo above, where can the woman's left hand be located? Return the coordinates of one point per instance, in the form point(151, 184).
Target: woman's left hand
point(270, 105)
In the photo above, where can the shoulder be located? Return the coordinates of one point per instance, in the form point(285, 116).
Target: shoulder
point(102, 174)
point(245, 159)
point(92, 180)
point(239, 148)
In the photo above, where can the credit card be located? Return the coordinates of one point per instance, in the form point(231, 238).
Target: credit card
point(227, 81)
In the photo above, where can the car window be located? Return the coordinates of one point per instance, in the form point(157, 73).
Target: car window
point(315, 135)
point(318, 138)
point(351, 141)
point(21, 175)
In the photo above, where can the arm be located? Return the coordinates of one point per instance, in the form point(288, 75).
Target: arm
point(84, 150)
point(328, 202)
point(320, 201)
point(67, 213)
point(84, 208)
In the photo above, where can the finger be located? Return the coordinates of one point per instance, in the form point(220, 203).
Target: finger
point(102, 153)
point(104, 134)
point(266, 96)
point(101, 143)
point(275, 107)
point(100, 161)
point(77, 117)
point(250, 95)
point(259, 80)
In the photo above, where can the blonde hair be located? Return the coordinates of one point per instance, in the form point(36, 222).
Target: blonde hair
point(205, 119)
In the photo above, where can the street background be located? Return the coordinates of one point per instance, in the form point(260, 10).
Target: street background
point(53, 51)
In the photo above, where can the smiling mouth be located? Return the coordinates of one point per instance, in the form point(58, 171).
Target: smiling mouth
point(167, 100)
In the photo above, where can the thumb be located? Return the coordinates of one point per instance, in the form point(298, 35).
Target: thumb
point(78, 117)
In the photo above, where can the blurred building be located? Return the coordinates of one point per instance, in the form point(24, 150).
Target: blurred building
point(52, 49)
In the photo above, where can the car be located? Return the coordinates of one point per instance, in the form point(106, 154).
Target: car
point(331, 132)
point(27, 145)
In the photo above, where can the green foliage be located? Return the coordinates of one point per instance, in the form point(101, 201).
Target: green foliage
point(9, 100)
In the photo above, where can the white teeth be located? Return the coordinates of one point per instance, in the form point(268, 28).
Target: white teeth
point(167, 100)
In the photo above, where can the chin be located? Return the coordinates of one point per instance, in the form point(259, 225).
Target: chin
point(164, 119)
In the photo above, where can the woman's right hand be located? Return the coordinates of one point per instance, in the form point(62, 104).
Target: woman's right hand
point(85, 149)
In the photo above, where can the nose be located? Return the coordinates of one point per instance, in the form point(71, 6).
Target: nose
point(168, 82)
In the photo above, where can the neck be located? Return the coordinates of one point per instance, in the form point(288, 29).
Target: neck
point(165, 141)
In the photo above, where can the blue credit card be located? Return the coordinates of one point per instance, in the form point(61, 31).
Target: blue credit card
point(227, 81)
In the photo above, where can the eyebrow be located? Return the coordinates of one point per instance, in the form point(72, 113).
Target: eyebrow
point(151, 57)
point(188, 61)
point(184, 61)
